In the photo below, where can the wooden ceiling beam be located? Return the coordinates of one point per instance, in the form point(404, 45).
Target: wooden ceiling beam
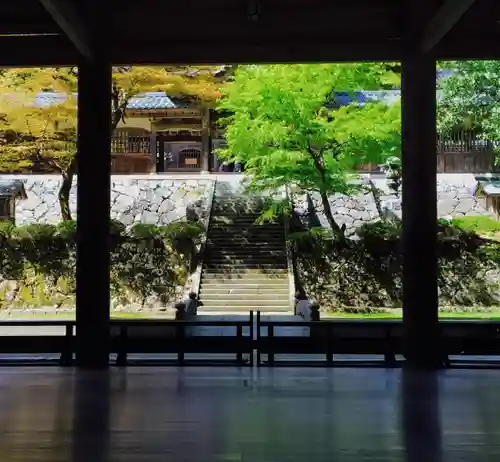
point(443, 21)
point(239, 52)
point(37, 51)
point(65, 15)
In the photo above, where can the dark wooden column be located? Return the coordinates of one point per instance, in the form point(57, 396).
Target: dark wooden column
point(420, 299)
point(206, 139)
point(94, 160)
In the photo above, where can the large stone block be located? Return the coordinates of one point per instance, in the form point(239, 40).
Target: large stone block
point(158, 199)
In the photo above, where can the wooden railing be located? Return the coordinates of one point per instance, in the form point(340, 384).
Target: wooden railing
point(372, 338)
point(130, 145)
point(326, 339)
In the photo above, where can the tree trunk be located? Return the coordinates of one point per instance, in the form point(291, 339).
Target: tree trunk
point(65, 190)
point(376, 198)
point(327, 210)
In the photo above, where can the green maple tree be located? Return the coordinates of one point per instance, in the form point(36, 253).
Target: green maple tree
point(470, 99)
point(279, 123)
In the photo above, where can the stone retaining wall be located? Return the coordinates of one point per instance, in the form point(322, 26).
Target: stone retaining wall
point(161, 199)
point(456, 197)
point(158, 199)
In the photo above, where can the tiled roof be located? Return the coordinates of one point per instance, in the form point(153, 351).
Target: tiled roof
point(160, 100)
point(344, 98)
point(151, 100)
point(144, 101)
point(12, 188)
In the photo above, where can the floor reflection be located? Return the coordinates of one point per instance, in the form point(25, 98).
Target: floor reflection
point(421, 416)
point(209, 414)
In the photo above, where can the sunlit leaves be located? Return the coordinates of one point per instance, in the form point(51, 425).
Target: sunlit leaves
point(279, 126)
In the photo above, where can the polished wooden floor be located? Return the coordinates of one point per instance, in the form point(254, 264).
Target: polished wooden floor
point(270, 415)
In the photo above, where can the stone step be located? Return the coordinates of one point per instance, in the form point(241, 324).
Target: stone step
point(271, 304)
point(246, 244)
point(236, 219)
point(255, 230)
point(252, 299)
point(245, 234)
point(250, 277)
point(234, 216)
point(243, 268)
point(232, 227)
point(234, 209)
point(245, 258)
point(248, 293)
point(247, 309)
point(239, 218)
point(244, 284)
point(238, 251)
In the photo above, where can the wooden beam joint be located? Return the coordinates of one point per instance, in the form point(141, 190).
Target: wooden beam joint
point(443, 21)
point(65, 15)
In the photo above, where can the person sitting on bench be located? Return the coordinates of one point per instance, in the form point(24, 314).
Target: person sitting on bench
point(302, 306)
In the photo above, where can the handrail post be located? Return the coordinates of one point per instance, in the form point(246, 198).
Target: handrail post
point(329, 344)
point(270, 335)
point(121, 358)
point(67, 353)
point(250, 343)
point(258, 346)
point(181, 333)
point(239, 342)
point(389, 355)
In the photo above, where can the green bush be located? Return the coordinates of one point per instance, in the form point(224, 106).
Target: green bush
point(67, 229)
point(477, 224)
point(34, 232)
point(116, 228)
point(390, 229)
point(41, 260)
point(145, 231)
point(6, 228)
point(366, 274)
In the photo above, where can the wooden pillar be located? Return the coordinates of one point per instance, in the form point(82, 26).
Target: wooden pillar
point(206, 139)
point(94, 160)
point(420, 299)
point(153, 147)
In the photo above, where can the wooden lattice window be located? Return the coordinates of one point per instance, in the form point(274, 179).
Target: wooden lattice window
point(7, 211)
point(190, 158)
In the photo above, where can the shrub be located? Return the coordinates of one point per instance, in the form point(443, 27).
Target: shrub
point(116, 228)
point(67, 229)
point(390, 229)
point(145, 231)
point(6, 228)
point(367, 272)
point(41, 260)
point(34, 232)
point(182, 230)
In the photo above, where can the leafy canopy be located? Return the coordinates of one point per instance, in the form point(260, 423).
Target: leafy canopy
point(279, 124)
point(470, 99)
point(47, 132)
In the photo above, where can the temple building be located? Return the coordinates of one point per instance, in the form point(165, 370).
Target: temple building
point(163, 134)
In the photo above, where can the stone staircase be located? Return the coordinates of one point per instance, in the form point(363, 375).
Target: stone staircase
point(245, 265)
